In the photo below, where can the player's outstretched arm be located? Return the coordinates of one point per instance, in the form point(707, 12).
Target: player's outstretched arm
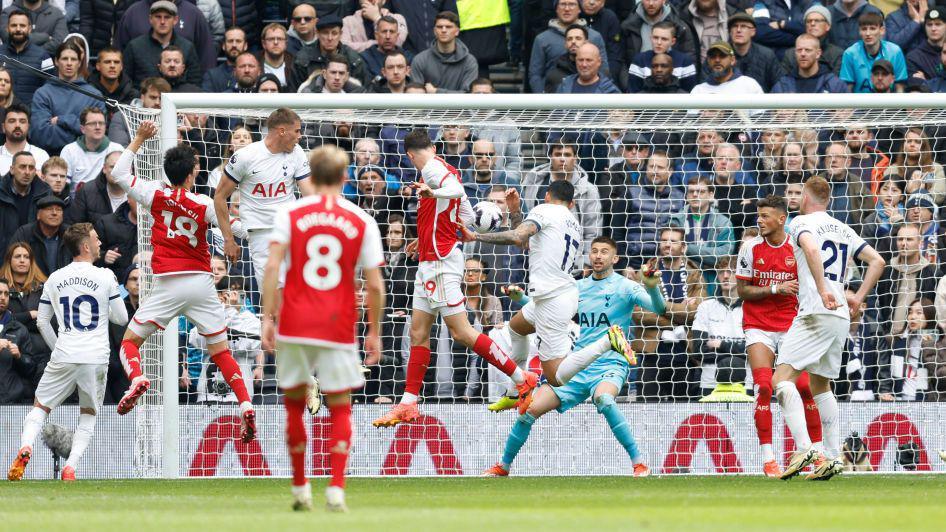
point(374, 299)
point(121, 173)
point(516, 237)
point(44, 316)
point(222, 208)
point(875, 268)
point(813, 259)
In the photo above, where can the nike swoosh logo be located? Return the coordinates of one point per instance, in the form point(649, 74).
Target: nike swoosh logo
point(254, 172)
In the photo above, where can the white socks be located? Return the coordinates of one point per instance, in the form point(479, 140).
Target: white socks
point(794, 412)
point(830, 428)
point(81, 439)
point(768, 454)
point(581, 359)
point(408, 398)
point(518, 377)
point(32, 425)
point(519, 347)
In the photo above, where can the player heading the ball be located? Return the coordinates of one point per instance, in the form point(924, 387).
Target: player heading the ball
point(84, 299)
point(326, 239)
point(184, 282)
point(442, 211)
point(553, 235)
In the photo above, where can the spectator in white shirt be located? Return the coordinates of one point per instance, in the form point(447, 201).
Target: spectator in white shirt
point(87, 154)
point(16, 128)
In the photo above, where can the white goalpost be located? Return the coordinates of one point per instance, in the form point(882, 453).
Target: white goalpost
point(186, 434)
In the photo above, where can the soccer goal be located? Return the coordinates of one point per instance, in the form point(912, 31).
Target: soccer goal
point(674, 181)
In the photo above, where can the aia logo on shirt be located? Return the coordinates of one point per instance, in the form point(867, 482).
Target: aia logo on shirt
point(269, 190)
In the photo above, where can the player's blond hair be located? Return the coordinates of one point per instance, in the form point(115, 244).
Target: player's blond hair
point(818, 189)
point(328, 165)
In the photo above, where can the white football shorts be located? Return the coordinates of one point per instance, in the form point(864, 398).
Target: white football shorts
point(338, 369)
point(770, 339)
point(552, 316)
point(438, 287)
point(815, 343)
point(61, 378)
point(190, 294)
point(258, 241)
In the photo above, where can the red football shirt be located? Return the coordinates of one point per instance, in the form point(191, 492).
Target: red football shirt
point(328, 238)
point(438, 219)
point(762, 264)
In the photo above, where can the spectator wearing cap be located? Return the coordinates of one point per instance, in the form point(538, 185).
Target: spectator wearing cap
point(301, 28)
point(87, 154)
point(563, 165)
point(752, 59)
point(448, 65)
point(708, 232)
point(882, 78)
point(818, 24)
point(922, 210)
point(588, 80)
point(45, 235)
point(663, 39)
point(844, 15)
point(905, 25)
point(358, 30)
point(859, 58)
point(661, 79)
point(722, 76)
point(923, 60)
point(482, 174)
point(708, 21)
point(779, 22)
point(188, 23)
point(143, 53)
point(48, 21)
point(938, 83)
point(313, 59)
point(550, 45)
point(810, 74)
point(636, 29)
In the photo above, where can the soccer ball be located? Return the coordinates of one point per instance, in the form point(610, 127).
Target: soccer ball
point(486, 217)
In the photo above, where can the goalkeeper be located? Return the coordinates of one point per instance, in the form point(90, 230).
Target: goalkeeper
point(605, 299)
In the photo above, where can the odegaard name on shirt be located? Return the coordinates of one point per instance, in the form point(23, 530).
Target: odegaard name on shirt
point(330, 220)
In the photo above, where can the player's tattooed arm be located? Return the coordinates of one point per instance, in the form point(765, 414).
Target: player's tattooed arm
point(517, 237)
point(514, 204)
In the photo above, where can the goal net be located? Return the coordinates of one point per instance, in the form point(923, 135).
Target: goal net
point(675, 183)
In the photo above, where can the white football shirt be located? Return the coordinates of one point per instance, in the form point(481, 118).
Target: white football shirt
point(81, 295)
point(839, 244)
point(553, 250)
point(266, 180)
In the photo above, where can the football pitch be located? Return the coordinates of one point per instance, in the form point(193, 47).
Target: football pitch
point(890, 502)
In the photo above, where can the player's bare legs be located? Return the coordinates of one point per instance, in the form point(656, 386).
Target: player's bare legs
point(32, 426)
point(130, 355)
point(544, 401)
point(761, 360)
point(461, 331)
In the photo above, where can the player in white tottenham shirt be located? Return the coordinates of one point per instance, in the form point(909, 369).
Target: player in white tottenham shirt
point(814, 342)
point(553, 236)
point(267, 173)
point(84, 299)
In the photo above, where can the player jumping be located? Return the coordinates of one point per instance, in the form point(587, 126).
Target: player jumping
point(822, 247)
point(553, 236)
point(442, 211)
point(267, 173)
point(767, 281)
point(325, 237)
point(84, 298)
point(605, 298)
point(181, 265)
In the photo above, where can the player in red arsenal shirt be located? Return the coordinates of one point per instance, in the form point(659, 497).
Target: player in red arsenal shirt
point(767, 280)
point(184, 282)
point(442, 208)
point(326, 239)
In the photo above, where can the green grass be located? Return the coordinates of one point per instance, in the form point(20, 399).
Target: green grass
point(896, 502)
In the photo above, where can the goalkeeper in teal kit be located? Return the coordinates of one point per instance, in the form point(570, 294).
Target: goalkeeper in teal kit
point(605, 299)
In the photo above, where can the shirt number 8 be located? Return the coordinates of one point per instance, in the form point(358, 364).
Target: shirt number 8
point(322, 271)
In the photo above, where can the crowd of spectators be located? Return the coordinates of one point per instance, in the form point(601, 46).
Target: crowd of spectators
point(681, 201)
